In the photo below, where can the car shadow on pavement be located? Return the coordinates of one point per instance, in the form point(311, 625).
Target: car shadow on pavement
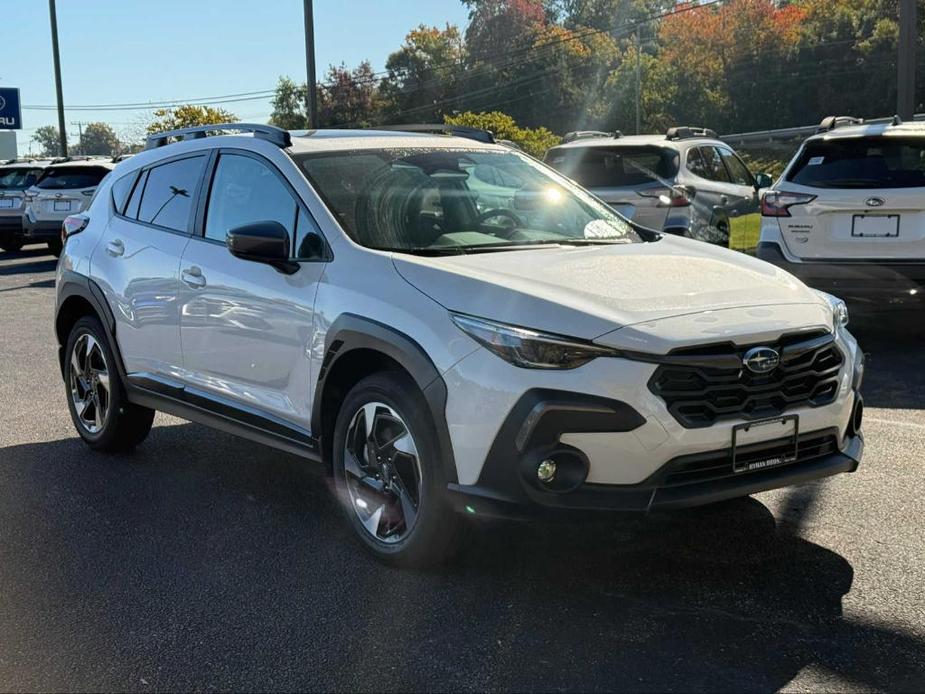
point(206, 561)
point(895, 371)
point(35, 261)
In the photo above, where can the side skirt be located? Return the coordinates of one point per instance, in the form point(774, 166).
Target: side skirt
point(194, 406)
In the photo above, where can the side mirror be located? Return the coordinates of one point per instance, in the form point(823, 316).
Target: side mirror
point(763, 180)
point(262, 242)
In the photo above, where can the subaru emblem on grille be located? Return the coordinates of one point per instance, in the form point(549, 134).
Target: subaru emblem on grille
point(874, 202)
point(761, 360)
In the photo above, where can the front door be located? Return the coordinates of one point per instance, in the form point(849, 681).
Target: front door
point(246, 328)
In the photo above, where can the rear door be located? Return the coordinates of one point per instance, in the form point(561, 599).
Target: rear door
point(138, 259)
point(870, 199)
point(246, 328)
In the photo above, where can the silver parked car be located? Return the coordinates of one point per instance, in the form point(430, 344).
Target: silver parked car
point(685, 182)
point(16, 176)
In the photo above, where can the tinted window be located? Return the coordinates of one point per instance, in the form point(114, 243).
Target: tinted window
point(871, 162)
point(131, 209)
point(72, 177)
point(308, 241)
point(245, 191)
point(737, 170)
point(18, 178)
point(605, 167)
point(713, 165)
point(695, 163)
point(167, 199)
point(121, 189)
point(423, 199)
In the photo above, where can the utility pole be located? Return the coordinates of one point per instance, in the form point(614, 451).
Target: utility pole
point(311, 89)
point(905, 64)
point(62, 135)
point(80, 136)
point(638, 81)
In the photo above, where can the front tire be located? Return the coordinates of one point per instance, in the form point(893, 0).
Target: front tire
point(102, 415)
point(388, 473)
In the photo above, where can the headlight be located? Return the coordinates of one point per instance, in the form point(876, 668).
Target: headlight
point(839, 309)
point(529, 349)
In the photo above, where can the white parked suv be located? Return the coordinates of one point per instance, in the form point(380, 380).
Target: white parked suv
point(65, 188)
point(349, 296)
point(848, 213)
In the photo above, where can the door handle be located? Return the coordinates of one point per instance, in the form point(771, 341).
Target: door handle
point(192, 276)
point(115, 248)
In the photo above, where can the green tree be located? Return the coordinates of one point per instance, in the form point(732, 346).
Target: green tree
point(289, 105)
point(188, 116)
point(99, 138)
point(534, 141)
point(423, 75)
point(47, 138)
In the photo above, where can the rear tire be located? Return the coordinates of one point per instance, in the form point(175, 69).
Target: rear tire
point(102, 415)
point(388, 473)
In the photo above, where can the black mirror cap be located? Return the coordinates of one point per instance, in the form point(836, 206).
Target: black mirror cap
point(262, 242)
point(763, 180)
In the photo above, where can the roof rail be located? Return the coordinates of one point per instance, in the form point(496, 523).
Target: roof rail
point(466, 131)
point(832, 122)
point(71, 157)
point(586, 134)
point(121, 157)
point(271, 133)
point(685, 132)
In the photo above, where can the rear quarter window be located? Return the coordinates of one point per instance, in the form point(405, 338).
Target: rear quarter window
point(869, 162)
point(615, 167)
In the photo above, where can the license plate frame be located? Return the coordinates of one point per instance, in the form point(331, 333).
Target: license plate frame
point(889, 222)
point(62, 206)
point(738, 466)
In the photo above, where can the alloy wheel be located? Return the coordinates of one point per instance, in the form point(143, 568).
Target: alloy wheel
point(383, 472)
point(89, 383)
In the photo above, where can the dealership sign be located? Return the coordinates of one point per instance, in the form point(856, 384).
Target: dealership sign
point(10, 111)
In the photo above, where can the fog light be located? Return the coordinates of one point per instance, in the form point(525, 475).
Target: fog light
point(546, 471)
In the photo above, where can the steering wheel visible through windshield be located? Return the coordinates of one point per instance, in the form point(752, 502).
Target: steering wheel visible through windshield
point(442, 200)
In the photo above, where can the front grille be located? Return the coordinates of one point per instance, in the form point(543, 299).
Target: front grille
point(703, 385)
point(703, 467)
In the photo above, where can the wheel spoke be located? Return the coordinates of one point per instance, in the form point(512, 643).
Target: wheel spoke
point(82, 405)
point(103, 377)
point(352, 465)
point(369, 417)
point(97, 414)
point(405, 444)
point(371, 522)
point(408, 510)
point(88, 355)
point(76, 368)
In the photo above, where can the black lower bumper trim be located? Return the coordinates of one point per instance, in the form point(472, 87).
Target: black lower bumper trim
point(595, 498)
point(896, 281)
point(42, 230)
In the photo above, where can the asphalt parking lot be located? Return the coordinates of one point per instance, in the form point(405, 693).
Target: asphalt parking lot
point(207, 562)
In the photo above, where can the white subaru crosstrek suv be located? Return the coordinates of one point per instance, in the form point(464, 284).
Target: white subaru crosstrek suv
point(64, 188)
point(848, 213)
point(348, 297)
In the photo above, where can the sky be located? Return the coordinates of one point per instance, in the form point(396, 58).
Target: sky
point(133, 51)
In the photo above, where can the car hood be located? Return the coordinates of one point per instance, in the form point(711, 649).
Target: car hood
point(591, 291)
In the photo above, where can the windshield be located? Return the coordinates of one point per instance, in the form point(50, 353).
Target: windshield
point(615, 167)
point(869, 162)
point(442, 200)
point(72, 177)
point(18, 178)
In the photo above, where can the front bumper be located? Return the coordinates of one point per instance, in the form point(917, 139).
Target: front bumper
point(663, 491)
point(877, 282)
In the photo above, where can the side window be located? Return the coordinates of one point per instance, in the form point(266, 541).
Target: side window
point(131, 210)
point(714, 164)
point(167, 199)
point(695, 163)
point(245, 191)
point(121, 189)
point(737, 170)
